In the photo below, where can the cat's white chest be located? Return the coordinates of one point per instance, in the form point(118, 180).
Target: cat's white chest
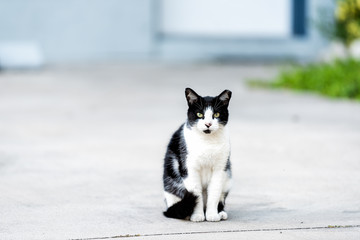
point(207, 152)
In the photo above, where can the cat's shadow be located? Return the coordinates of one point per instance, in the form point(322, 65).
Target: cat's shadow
point(255, 211)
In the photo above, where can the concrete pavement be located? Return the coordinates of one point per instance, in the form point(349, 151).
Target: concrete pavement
point(81, 151)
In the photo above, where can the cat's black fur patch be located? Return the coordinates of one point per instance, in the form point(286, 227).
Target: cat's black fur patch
point(220, 207)
point(182, 209)
point(175, 156)
point(228, 167)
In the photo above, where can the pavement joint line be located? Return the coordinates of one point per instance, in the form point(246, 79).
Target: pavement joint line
point(221, 231)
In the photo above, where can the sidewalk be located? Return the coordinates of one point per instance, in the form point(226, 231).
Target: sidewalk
point(81, 153)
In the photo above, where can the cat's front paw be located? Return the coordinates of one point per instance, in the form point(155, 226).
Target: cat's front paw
point(223, 215)
point(197, 217)
point(213, 217)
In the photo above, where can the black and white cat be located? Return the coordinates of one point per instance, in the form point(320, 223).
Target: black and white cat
point(197, 169)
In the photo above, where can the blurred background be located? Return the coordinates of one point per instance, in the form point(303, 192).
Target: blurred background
point(91, 91)
point(37, 32)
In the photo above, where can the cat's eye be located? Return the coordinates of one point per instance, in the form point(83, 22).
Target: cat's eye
point(200, 115)
point(216, 115)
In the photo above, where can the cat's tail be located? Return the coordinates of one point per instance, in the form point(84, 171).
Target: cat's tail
point(184, 208)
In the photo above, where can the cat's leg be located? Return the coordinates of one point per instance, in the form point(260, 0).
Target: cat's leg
point(193, 184)
point(216, 195)
point(225, 191)
point(224, 194)
point(221, 206)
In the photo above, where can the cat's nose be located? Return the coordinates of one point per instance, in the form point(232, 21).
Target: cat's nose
point(208, 125)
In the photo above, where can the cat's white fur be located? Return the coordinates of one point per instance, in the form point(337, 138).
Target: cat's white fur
point(171, 199)
point(206, 163)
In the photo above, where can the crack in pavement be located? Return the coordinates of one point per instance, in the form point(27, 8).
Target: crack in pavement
point(221, 231)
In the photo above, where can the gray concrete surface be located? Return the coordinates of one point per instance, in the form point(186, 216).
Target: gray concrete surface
point(81, 153)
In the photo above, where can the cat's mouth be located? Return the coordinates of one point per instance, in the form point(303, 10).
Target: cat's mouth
point(207, 131)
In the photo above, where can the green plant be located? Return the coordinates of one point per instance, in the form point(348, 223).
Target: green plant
point(343, 24)
point(339, 79)
point(347, 21)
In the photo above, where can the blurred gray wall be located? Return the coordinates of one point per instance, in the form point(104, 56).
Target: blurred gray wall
point(97, 30)
point(78, 30)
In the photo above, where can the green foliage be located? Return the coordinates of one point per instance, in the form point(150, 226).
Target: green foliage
point(339, 79)
point(343, 24)
point(347, 21)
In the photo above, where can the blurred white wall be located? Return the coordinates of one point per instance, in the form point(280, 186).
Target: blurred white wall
point(105, 30)
point(230, 18)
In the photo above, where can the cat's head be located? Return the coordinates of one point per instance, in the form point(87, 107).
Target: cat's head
point(207, 114)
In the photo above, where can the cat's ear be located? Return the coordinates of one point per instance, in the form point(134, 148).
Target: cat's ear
point(225, 97)
point(191, 96)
